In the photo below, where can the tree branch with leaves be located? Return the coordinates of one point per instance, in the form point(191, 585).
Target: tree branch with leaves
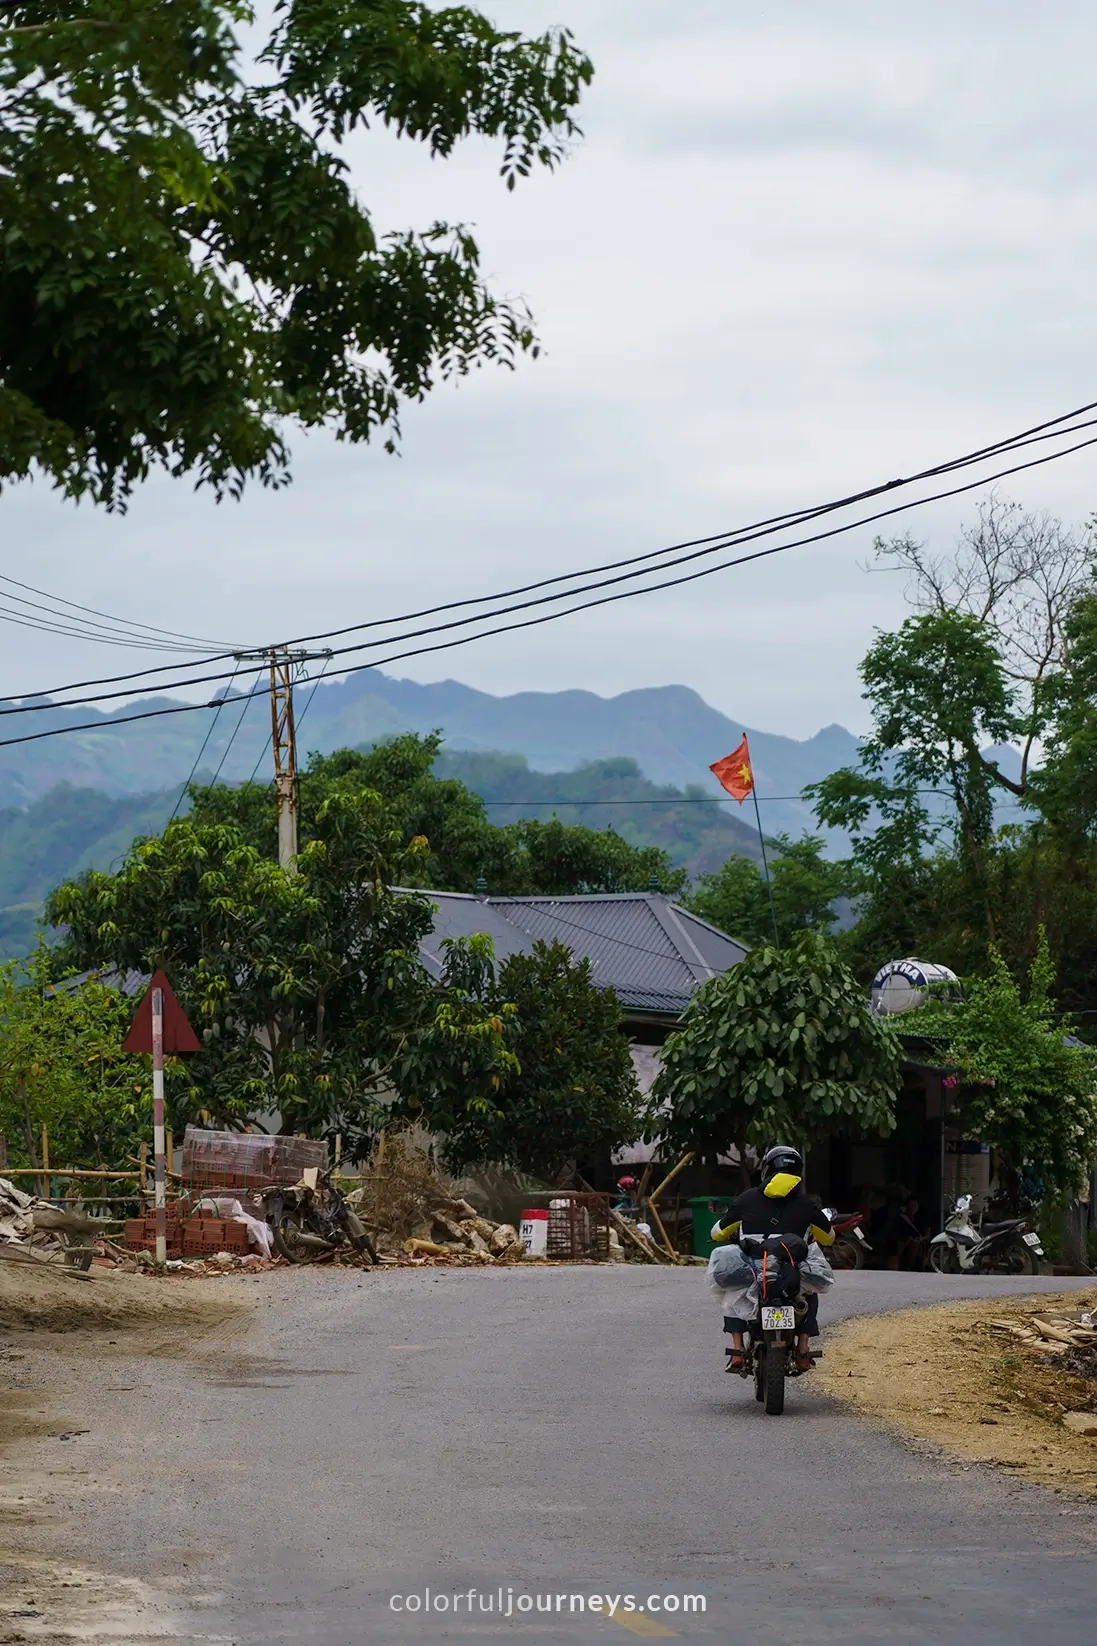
point(185, 267)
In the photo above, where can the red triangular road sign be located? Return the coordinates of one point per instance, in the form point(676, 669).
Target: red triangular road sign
point(178, 1034)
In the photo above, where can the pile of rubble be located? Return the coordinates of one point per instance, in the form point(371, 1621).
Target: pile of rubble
point(1051, 1332)
point(1066, 1342)
point(16, 1214)
point(441, 1229)
point(1069, 1340)
point(413, 1214)
point(221, 1264)
point(32, 1230)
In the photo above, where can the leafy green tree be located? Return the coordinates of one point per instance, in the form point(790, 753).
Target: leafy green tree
point(995, 654)
point(559, 859)
point(806, 886)
point(306, 987)
point(1065, 786)
point(782, 1048)
point(185, 266)
point(939, 695)
point(1026, 1089)
point(62, 1067)
point(456, 844)
point(571, 1094)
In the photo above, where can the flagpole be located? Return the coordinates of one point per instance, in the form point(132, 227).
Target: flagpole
point(765, 860)
point(735, 773)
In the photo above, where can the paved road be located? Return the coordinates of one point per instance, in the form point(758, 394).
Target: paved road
point(551, 1432)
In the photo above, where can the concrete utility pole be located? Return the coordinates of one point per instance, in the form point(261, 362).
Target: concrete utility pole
point(159, 1140)
point(283, 667)
point(284, 746)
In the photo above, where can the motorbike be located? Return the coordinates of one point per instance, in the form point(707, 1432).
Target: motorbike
point(308, 1219)
point(850, 1248)
point(781, 1307)
point(1008, 1248)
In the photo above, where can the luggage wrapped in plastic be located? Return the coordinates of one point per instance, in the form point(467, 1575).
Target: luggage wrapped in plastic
point(816, 1274)
point(728, 1270)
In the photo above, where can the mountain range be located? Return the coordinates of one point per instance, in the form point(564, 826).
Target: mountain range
point(637, 762)
point(670, 731)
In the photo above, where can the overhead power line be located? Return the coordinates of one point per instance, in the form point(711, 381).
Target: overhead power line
point(544, 617)
point(235, 730)
point(221, 701)
point(727, 539)
point(1054, 428)
point(21, 707)
point(55, 615)
point(130, 624)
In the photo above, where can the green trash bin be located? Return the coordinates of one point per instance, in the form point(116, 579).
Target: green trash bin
point(706, 1208)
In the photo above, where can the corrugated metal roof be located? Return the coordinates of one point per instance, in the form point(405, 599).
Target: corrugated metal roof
point(651, 951)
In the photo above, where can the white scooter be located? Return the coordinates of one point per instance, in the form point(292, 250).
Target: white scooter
point(1009, 1248)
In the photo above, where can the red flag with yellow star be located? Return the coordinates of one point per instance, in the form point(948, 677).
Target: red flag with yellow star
point(735, 772)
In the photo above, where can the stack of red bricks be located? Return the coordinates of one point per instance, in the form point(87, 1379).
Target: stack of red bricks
point(197, 1236)
point(219, 1162)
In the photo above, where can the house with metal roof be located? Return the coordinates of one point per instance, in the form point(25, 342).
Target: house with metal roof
point(651, 951)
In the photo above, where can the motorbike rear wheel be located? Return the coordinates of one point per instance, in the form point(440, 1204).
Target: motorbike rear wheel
point(943, 1261)
point(846, 1254)
point(1014, 1259)
point(774, 1379)
point(287, 1232)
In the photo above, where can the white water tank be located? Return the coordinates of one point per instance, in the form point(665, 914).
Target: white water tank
point(903, 984)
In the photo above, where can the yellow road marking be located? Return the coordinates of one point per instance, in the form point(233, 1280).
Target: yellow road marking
point(641, 1624)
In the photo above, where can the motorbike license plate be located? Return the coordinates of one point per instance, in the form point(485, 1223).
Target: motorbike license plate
point(1031, 1239)
point(781, 1319)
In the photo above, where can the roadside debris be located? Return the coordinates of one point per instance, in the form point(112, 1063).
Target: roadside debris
point(1071, 1339)
point(16, 1214)
point(456, 1230)
point(406, 1211)
point(34, 1231)
point(413, 1215)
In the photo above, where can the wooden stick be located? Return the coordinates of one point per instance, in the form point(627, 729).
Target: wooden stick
point(142, 1161)
point(171, 1152)
point(645, 1179)
point(1052, 1332)
point(664, 1237)
point(682, 1164)
point(34, 1171)
point(629, 1230)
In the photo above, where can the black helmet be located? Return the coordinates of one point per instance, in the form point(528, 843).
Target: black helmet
point(782, 1159)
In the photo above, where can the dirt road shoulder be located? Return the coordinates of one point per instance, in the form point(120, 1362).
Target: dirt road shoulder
point(946, 1376)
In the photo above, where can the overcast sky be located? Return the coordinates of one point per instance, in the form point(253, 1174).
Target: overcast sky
point(800, 248)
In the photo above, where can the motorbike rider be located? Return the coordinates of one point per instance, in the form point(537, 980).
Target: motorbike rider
point(779, 1206)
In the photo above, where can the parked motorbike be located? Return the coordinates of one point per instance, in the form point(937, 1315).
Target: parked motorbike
point(850, 1248)
point(1009, 1248)
point(781, 1307)
point(305, 1222)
